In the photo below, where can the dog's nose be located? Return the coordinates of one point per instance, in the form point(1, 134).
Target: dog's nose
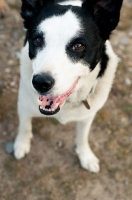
point(43, 82)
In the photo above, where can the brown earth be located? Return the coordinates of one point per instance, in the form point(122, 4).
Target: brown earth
point(51, 171)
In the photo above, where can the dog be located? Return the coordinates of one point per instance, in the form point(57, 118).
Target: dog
point(67, 67)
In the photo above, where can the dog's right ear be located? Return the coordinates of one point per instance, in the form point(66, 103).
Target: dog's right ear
point(30, 8)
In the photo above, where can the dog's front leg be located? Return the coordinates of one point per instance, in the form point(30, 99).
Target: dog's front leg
point(87, 158)
point(23, 139)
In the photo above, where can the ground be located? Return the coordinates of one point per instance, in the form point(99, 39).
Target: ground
point(52, 171)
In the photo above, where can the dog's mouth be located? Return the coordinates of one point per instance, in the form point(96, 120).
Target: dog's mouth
point(50, 105)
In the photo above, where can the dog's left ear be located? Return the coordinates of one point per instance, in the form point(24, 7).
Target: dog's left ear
point(31, 8)
point(106, 13)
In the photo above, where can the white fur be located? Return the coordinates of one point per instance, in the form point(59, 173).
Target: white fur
point(73, 2)
point(54, 59)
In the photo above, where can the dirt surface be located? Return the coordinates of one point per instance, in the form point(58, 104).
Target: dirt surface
point(52, 171)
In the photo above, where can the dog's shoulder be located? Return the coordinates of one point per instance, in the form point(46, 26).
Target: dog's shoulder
point(104, 81)
point(108, 59)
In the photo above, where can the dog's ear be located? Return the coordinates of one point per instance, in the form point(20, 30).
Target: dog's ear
point(30, 8)
point(106, 13)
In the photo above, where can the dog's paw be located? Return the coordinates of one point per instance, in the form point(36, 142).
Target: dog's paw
point(21, 148)
point(89, 161)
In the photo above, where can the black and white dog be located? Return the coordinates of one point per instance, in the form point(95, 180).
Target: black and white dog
point(67, 67)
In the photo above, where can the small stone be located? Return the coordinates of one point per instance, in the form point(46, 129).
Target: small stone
point(120, 60)
point(1, 27)
point(12, 83)
point(15, 36)
point(9, 147)
point(126, 182)
point(124, 41)
point(7, 70)
point(123, 120)
point(1, 83)
point(60, 144)
point(18, 53)
point(11, 62)
point(130, 34)
point(4, 133)
point(2, 36)
point(109, 132)
point(14, 90)
point(128, 81)
point(130, 96)
point(130, 69)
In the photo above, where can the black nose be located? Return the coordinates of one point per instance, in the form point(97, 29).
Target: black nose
point(43, 82)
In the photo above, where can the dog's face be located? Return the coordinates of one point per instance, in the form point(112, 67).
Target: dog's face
point(65, 45)
point(63, 49)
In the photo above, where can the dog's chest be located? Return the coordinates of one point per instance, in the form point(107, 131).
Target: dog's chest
point(73, 112)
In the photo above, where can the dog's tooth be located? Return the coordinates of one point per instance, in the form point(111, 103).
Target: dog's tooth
point(56, 105)
point(41, 107)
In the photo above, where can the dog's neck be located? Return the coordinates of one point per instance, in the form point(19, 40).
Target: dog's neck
point(89, 83)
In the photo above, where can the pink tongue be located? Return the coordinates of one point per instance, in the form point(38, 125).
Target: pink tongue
point(48, 102)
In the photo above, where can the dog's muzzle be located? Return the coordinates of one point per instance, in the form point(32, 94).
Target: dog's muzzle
point(50, 105)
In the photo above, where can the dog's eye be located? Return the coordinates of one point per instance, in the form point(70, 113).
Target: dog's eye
point(38, 41)
point(78, 47)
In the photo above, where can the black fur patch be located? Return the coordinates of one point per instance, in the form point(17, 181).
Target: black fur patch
point(106, 14)
point(25, 40)
point(32, 25)
point(103, 62)
point(89, 36)
point(45, 12)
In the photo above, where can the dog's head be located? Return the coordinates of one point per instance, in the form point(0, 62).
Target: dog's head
point(65, 44)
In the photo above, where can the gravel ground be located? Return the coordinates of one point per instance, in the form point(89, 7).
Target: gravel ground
point(51, 171)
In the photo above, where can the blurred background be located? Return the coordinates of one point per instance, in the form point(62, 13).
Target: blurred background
point(51, 171)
